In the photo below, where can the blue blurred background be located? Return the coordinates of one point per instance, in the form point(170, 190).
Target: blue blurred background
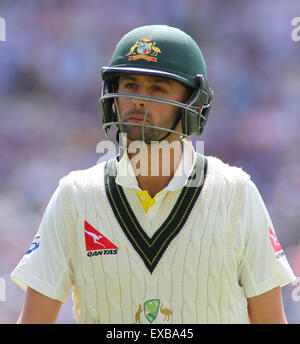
point(50, 119)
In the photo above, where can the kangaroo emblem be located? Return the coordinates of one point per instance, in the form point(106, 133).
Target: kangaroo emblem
point(95, 237)
point(131, 52)
point(138, 315)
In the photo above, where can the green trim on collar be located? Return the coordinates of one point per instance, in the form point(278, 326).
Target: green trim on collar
point(152, 249)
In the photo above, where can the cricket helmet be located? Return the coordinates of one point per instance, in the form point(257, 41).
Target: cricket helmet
point(164, 51)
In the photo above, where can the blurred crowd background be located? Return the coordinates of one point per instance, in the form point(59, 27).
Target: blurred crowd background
point(50, 119)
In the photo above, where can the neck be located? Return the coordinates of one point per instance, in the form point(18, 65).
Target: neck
point(155, 167)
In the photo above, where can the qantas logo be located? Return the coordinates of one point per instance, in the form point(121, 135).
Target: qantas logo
point(275, 244)
point(97, 242)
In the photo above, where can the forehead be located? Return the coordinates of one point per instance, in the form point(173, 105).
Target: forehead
point(148, 79)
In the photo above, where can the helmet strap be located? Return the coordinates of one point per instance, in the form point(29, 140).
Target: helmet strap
point(177, 120)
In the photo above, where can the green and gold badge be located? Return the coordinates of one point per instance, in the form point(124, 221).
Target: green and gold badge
point(151, 308)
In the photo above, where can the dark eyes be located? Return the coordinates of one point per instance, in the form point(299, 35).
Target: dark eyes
point(159, 89)
point(154, 88)
point(130, 85)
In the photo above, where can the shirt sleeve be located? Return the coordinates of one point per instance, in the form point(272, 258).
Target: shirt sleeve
point(46, 266)
point(262, 264)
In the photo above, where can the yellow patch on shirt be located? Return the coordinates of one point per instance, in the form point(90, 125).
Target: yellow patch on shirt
point(146, 200)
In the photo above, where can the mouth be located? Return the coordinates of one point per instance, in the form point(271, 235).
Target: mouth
point(137, 119)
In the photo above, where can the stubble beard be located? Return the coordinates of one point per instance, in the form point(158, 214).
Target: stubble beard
point(136, 132)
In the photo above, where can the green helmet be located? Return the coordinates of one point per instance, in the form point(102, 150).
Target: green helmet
point(162, 51)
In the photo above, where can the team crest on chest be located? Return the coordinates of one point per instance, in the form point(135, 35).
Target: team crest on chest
point(144, 49)
point(152, 308)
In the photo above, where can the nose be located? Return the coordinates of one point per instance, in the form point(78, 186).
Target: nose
point(139, 103)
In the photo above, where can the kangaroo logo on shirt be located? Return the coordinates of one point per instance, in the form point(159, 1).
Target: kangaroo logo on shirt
point(95, 241)
point(275, 244)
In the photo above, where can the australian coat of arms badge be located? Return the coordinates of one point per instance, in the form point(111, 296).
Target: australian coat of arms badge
point(144, 49)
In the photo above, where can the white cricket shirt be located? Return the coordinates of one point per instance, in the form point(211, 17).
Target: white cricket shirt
point(47, 265)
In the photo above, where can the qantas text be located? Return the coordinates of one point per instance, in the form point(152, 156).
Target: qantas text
point(101, 252)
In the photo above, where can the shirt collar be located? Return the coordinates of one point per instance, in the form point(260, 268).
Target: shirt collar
point(125, 174)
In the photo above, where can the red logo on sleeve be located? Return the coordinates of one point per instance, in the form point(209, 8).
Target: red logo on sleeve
point(94, 240)
point(274, 241)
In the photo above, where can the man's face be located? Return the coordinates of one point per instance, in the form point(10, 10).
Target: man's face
point(161, 115)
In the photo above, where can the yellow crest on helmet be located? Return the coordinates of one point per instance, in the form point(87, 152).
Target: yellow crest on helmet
point(144, 49)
